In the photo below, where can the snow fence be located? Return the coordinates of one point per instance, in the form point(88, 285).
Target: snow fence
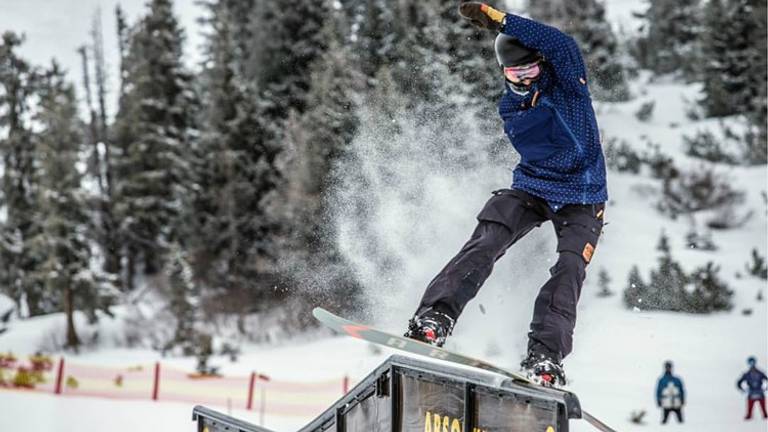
point(161, 382)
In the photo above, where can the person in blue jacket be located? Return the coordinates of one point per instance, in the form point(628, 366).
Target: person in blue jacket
point(670, 394)
point(547, 113)
point(756, 382)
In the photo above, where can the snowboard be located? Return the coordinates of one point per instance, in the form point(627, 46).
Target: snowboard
point(370, 334)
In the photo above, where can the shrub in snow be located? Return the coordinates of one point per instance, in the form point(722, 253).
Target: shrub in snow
point(668, 281)
point(705, 145)
point(604, 283)
point(710, 293)
point(671, 289)
point(636, 417)
point(230, 350)
point(696, 190)
point(698, 241)
point(620, 157)
point(757, 267)
point(646, 111)
point(726, 217)
point(662, 166)
point(754, 148)
point(670, 40)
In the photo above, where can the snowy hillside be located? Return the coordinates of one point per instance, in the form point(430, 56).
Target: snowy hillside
point(420, 198)
point(619, 352)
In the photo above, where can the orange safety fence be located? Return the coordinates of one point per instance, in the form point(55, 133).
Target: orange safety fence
point(161, 382)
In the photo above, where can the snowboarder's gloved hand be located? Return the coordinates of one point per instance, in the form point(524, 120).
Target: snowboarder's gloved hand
point(483, 16)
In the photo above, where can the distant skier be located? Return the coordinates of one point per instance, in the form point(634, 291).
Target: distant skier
point(756, 386)
point(547, 113)
point(670, 394)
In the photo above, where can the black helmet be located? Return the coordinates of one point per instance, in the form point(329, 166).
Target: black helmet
point(510, 52)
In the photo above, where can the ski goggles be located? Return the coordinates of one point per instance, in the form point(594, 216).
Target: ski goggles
point(518, 73)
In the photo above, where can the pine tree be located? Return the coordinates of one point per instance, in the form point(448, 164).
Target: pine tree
point(18, 81)
point(285, 42)
point(667, 283)
point(710, 294)
point(154, 130)
point(671, 41)
point(604, 282)
point(183, 302)
point(757, 267)
point(376, 36)
point(62, 243)
point(585, 20)
point(718, 100)
point(122, 45)
point(331, 119)
point(235, 169)
point(636, 292)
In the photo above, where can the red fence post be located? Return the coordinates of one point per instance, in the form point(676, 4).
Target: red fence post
point(59, 376)
point(156, 387)
point(250, 391)
point(345, 384)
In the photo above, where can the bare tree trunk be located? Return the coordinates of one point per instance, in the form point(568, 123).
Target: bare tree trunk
point(73, 341)
point(111, 240)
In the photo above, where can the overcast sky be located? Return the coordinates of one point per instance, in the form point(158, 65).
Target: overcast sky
point(56, 28)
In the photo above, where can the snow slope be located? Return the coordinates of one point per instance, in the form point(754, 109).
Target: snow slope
point(619, 353)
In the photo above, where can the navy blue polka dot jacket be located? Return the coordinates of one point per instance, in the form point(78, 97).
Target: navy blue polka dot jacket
point(553, 127)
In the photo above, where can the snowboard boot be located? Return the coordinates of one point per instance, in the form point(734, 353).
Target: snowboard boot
point(543, 367)
point(431, 327)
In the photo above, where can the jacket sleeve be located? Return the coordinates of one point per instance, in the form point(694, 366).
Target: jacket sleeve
point(659, 386)
point(559, 49)
point(682, 391)
point(740, 382)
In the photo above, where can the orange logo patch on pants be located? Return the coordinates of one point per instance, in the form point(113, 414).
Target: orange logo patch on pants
point(588, 251)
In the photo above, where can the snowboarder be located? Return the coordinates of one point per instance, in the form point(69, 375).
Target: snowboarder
point(755, 379)
point(670, 394)
point(548, 116)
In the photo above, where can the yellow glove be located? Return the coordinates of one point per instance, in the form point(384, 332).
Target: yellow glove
point(483, 16)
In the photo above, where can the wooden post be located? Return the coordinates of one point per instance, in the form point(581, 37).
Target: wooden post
point(345, 385)
point(251, 385)
point(59, 376)
point(156, 387)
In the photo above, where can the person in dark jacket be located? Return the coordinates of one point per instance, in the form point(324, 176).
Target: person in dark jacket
point(756, 381)
point(670, 394)
point(547, 113)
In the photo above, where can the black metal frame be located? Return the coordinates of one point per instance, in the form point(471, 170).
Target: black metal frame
point(385, 381)
point(206, 417)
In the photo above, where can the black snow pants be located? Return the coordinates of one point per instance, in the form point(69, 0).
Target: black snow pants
point(507, 217)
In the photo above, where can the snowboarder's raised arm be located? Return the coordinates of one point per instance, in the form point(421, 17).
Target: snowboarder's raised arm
point(558, 49)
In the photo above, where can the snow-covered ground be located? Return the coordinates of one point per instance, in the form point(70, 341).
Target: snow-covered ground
point(619, 353)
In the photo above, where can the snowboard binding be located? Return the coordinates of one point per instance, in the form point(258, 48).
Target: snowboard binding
point(432, 327)
point(543, 369)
